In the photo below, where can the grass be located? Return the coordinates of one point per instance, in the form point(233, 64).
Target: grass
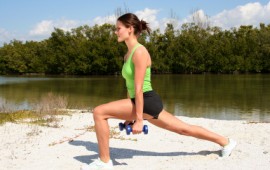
point(32, 117)
point(17, 116)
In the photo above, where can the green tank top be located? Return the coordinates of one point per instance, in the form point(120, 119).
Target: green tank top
point(128, 72)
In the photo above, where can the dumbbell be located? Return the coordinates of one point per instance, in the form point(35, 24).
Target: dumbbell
point(128, 128)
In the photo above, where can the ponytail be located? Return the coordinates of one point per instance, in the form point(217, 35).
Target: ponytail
point(144, 27)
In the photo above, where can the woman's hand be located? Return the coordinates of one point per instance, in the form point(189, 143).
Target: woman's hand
point(137, 127)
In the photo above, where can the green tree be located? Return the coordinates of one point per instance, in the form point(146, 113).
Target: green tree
point(264, 46)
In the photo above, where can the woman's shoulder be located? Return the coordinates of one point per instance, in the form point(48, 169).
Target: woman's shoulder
point(141, 53)
point(141, 50)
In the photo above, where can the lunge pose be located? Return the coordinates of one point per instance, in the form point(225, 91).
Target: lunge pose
point(142, 101)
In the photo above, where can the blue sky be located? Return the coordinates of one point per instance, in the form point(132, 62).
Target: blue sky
point(35, 19)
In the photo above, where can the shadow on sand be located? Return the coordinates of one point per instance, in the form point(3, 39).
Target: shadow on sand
point(123, 153)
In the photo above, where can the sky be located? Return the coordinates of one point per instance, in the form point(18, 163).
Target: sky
point(27, 20)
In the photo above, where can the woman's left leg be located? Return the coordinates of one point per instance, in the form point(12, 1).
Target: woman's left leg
point(170, 122)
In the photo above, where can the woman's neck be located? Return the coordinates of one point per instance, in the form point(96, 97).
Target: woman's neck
point(131, 43)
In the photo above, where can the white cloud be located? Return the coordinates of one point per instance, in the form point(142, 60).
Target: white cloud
point(197, 16)
point(249, 14)
point(42, 28)
point(6, 36)
point(111, 19)
point(45, 27)
point(149, 15)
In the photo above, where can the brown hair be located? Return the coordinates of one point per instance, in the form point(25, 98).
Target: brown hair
point(130, 19)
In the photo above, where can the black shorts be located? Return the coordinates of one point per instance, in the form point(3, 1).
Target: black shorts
point(152, 103)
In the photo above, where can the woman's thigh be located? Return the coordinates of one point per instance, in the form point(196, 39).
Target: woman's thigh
point(170, 122)
point(120, 109)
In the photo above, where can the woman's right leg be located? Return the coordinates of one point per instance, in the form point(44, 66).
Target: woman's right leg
point(121, 109)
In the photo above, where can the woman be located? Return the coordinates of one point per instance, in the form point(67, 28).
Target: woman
point(142, 102)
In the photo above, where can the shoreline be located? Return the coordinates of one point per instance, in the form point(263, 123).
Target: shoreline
point(74, 144)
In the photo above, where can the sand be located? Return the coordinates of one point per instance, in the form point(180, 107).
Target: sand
point(73, 144)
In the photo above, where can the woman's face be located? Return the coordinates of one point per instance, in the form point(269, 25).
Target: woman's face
point(122, 31)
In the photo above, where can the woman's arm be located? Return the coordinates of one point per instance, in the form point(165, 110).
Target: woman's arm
point(140, 58)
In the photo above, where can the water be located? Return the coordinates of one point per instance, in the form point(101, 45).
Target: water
point(227, 97)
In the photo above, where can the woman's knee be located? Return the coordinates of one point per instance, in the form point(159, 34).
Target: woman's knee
point(98, 112)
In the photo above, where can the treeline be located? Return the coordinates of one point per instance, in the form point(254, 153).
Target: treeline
point(94, 50)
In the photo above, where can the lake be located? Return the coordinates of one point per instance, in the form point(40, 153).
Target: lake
point(226, 97)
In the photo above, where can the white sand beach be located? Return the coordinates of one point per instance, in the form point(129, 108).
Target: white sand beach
point(27, 147)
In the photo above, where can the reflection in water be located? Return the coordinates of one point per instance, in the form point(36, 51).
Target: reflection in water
point(217, 96)
point(211, 96)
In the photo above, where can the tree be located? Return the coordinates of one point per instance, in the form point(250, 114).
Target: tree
point(194, 48)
